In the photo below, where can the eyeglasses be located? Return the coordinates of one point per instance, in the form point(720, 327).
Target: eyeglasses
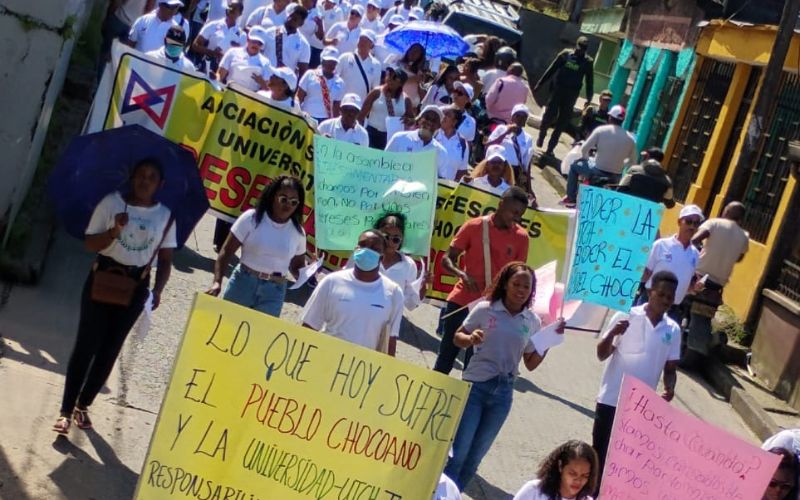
point(395, 239)
point(292, 202)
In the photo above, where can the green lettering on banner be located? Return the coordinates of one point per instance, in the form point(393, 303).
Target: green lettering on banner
point(355, 186)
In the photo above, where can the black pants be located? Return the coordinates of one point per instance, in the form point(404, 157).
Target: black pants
point(601, 433)
point(448, 351)
point(221, 231)
point(314, 61)
point(557, 115)
point(377, 139)
point(101, 333)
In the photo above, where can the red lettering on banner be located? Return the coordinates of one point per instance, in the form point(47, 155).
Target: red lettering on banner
point(256, 188)
point(237, 180)
point(207, 174)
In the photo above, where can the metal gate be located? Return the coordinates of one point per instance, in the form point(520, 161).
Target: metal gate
point(769, 174)
point(667, 105)
point(713, 82)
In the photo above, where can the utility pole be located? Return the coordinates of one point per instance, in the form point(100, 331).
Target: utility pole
point(766, 97)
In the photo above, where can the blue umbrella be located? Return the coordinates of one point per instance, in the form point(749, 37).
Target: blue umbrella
point(95, 165)
point(437, 39)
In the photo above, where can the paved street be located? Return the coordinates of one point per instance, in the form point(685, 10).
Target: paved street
point(38, 325)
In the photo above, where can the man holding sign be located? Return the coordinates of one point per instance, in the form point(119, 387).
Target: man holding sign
point(359, 305)
point(642, 343)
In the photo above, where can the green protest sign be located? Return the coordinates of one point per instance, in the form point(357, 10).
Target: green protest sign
point(354, 186)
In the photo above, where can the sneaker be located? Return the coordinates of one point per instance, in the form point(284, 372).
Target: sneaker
point(567, 202)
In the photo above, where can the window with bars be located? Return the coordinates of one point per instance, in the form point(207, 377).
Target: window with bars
point(767, 177)
point(705, 102)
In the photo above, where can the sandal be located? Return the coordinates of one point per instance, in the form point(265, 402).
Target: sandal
point(81, 418)
point(62, 426)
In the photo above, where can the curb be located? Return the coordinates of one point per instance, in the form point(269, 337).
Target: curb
point(554, 178)
point(756, 419)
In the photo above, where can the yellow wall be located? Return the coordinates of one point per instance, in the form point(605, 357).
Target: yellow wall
point(745, 46)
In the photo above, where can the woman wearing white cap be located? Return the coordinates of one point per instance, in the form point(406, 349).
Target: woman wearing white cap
point(346, 127)
point(493, 174)
point(462, 99)
point(314, 32)
point(281, 87)
point(246, 65)
point(441, 88)
point(320, 91)
point(372, 20)
point(344, 35)
point(456, 161)
point(384, 102)
point(518, 145)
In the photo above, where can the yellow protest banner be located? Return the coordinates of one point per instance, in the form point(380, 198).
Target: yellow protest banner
point(258, 408)
point(457, 203)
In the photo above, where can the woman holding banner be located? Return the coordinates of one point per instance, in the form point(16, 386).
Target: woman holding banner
point(499, 329)
point(568, 472)
point(273, 244)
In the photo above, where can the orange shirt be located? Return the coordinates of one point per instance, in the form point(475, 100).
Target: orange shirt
point(505, 245)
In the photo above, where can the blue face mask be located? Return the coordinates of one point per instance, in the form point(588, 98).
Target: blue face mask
point(173, 51)
point(366, 259)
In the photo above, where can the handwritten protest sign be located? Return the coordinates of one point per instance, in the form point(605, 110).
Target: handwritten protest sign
point(356, 185)
point(658, 452)
point(262, 409)
point(613, 238)
point(457, 203)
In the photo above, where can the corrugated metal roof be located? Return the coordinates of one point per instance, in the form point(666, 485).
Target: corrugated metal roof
point(498, 13)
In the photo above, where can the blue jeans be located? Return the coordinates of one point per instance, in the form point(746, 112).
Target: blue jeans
point(487, 407)
point(247, 290)
point(586, 169)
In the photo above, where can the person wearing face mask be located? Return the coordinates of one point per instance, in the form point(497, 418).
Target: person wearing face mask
point(346, 127)
point(172, 51)
point(359, 305)
point(508, 241)
point(422, 139)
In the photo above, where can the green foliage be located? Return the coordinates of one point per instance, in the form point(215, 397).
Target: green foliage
point(726, 322)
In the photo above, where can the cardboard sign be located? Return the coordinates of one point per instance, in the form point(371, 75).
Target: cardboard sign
point(258, 406)
point(614, 235)
point(657, 451)
point(356, 185)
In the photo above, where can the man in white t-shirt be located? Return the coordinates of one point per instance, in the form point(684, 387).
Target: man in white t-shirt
point(677, 254)
point(219, 36)
point(320, 91)
point(344, 35)
point(372, 19)
point(422, 139)
point(172, 51)
point(359, 305)
point(642, 344)
point(518, 145)
point(148, 32)
point(346, 127)
point(285, 46)
point(331, 13)
point(246, 65)
point(360, 70)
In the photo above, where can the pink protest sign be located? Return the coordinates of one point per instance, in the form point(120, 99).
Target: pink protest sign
point(658, 452)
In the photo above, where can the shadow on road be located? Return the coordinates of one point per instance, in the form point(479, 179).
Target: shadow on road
point(481, 489)
point(187, 260)
point(10, 484)
point(524, 385)
point(81, 476)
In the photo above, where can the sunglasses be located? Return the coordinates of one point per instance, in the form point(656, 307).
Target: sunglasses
point(285, 200)
point(395, 239)
point(692, 222)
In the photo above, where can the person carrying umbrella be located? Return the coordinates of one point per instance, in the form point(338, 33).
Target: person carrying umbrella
point(127, 231)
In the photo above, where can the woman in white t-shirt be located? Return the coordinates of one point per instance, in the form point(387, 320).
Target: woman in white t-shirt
point(281, 87)
point(441, 90)
point(396, 265)
point(499, 329)
point(493, 174)
point(273, 245)
point(569, 472)
point(128, 232)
